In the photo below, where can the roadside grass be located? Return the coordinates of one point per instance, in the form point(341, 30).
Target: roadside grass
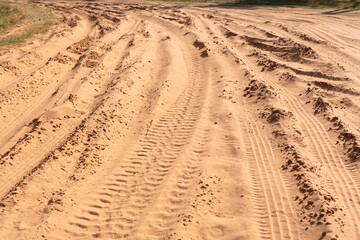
point(317, 4)
point(322, 4)
point(197, 2)
point(19, 22)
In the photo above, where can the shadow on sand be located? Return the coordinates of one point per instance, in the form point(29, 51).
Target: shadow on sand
point(340, 11)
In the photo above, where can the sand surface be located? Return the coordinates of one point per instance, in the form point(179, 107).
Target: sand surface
point(149, 121)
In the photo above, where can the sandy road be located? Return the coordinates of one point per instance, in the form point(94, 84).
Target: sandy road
point(148, 121)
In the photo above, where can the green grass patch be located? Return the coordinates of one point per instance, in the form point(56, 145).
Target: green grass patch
point(19, 22)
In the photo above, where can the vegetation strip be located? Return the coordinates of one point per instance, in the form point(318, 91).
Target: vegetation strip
point(348, 5)
point(19, 22)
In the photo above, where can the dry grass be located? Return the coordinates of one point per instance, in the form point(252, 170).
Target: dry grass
point(19, 22)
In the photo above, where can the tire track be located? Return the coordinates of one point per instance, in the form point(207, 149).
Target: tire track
point(39, 56)
point(132, 187)
point(269, 187)
point(342, 182)
point(140, 174)
point(22, 166)
point(152, 138)
point(38, 104)
point(274, 214)
point(165, 209)
point(163, 212)
point(46, 98)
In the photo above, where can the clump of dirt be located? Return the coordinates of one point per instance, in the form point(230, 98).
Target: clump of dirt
point(81, 46)
point(264, 61)
point(270, 65)
point(257, 42)
point(287, 77)
point(55, 202)
point(267, 64)
point(175, 10)
point(282, 47)
point(204, 54)
point(283, 27)
point(270, 35)
point(227, 33)
point(200, 45)
point(165, 38)
point(64, 59)
point(316, 74)
point(258, 89)
point(308, 38)
point(294, 161)
point(320, 106)
point(187, 21)
point(346, 136)
point(72, 98)
point(104, 29)
point(137, 7)
point(331, 87)
point(146, 34)
point(34, 124)
point(274, 115)
point(324, 85)
point(208, 16)
point(337, 123)
point(317, 205)
point(93, 18)
point(350, 141)
point(93, 55)
point(90, 63)
point(72, 22)
point(8, 67)
point(297, 52)
point(110, 18)
point(351, 145)
point(279, 134)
